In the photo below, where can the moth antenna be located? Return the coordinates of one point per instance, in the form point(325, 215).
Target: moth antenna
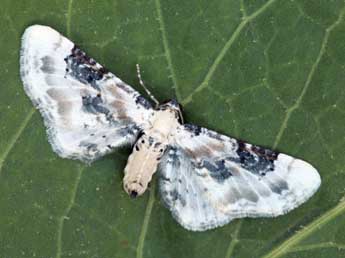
point(146, 89)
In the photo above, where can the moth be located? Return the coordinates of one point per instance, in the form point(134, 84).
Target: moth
point(206, 179)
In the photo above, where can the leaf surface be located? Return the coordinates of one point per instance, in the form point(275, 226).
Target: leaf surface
point(268, 72)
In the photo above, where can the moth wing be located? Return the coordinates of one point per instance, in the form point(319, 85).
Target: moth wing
point(208, 179)
point(87, 110)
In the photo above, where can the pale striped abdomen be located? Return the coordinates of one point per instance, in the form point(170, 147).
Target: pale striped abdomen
point(142, 164)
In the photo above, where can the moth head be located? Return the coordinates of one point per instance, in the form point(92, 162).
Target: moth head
point(172, 104)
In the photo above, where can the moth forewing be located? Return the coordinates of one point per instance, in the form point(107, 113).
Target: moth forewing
point(87, 110)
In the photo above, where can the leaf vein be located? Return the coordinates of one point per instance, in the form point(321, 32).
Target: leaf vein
point(317, 246)
point(310, 76)
point(61, 220)
point(205, 83)
point(144, 228)
point(243, 8)
point(69, 17)
point(306, 231)
point(15, 137)
point(233, 241)
point(167, 49)
point(97, 219)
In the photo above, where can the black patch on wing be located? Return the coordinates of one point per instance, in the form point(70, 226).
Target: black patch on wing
point(140, 100)
point(195, 129)
point(255, 159)
point(129, 130)
point(175, 196)
point(198, 130)
point(214, 135)
point(125, 87)
point(84, 68)
point(94, 105)
point(217, 170)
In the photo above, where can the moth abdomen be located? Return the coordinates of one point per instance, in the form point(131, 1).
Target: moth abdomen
point(142, 164)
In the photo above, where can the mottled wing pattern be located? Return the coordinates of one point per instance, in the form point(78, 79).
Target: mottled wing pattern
point(208, 179)
point(87, 110)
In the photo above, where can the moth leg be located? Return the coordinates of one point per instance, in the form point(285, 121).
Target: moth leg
point(146, 89)
point(181, 116)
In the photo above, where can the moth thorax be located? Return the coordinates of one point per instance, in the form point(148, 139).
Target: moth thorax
point(142, 164)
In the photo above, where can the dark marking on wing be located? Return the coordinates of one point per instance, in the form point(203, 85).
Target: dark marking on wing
point(278, 186)
point(195, 129)
point(255, 159)
point(266, 153)
point(129, 130)
point(47, 65)
point(94, 105)
point(84, 68)
point(140, 100)
point(174, 196)
point(125, 87)
point(248, 194)
point(218, 170)
point(213, 134)
point(165, 178)
point(90, 149)
point(198, 130)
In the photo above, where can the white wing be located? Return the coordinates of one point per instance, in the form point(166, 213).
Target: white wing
point(87, 110)
point(208, 179)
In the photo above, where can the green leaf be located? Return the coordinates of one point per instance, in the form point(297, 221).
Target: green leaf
point(269, 72)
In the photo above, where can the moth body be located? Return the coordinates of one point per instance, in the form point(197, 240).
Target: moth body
point(149, 148)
